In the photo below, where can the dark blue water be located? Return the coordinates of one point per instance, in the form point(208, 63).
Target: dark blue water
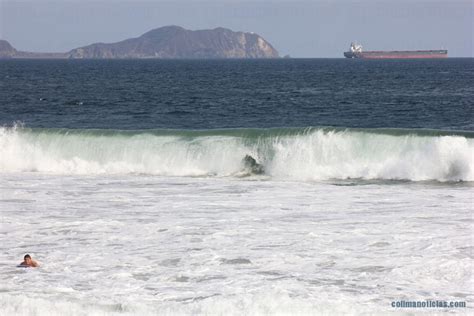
point(154, 94)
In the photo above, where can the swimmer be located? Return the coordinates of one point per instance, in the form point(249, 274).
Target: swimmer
point(28, 262)
point(252, 165)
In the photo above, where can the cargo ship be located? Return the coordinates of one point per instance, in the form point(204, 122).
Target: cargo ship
point(357, 52)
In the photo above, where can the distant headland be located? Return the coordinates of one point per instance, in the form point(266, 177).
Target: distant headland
point(168, 42)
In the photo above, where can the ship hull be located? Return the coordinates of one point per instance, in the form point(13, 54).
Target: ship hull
point(398, 54)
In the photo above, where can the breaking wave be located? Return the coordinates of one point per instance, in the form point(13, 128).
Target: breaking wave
point(293, 153)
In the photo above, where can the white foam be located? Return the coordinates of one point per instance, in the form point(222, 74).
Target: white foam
point(146, 245)
point(269, 303)
point(317, 155)
point(340, 155)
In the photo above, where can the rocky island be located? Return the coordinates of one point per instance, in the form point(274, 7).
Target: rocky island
point(169, 42)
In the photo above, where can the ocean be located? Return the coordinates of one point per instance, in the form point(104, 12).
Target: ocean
point(236, 187)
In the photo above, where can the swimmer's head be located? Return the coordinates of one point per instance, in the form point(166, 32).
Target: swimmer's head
point(27, 258)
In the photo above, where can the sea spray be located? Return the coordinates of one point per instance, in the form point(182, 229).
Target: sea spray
point(295, 154)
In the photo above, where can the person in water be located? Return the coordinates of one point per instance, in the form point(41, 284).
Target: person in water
point(28, 262)
point(252, 165)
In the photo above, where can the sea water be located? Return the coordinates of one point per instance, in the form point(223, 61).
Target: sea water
point(126, 181)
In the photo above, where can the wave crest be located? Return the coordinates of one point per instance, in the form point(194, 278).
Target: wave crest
point(306, 154)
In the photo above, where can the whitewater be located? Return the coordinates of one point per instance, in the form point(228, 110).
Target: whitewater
point(171, 222)
point(286, 154)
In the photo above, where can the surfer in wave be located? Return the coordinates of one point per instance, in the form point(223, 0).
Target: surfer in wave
point(28, 262)
point(252, 165)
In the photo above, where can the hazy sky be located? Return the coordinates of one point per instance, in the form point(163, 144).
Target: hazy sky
point(299, 28)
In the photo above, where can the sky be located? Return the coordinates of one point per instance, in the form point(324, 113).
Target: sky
point(317, 28)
